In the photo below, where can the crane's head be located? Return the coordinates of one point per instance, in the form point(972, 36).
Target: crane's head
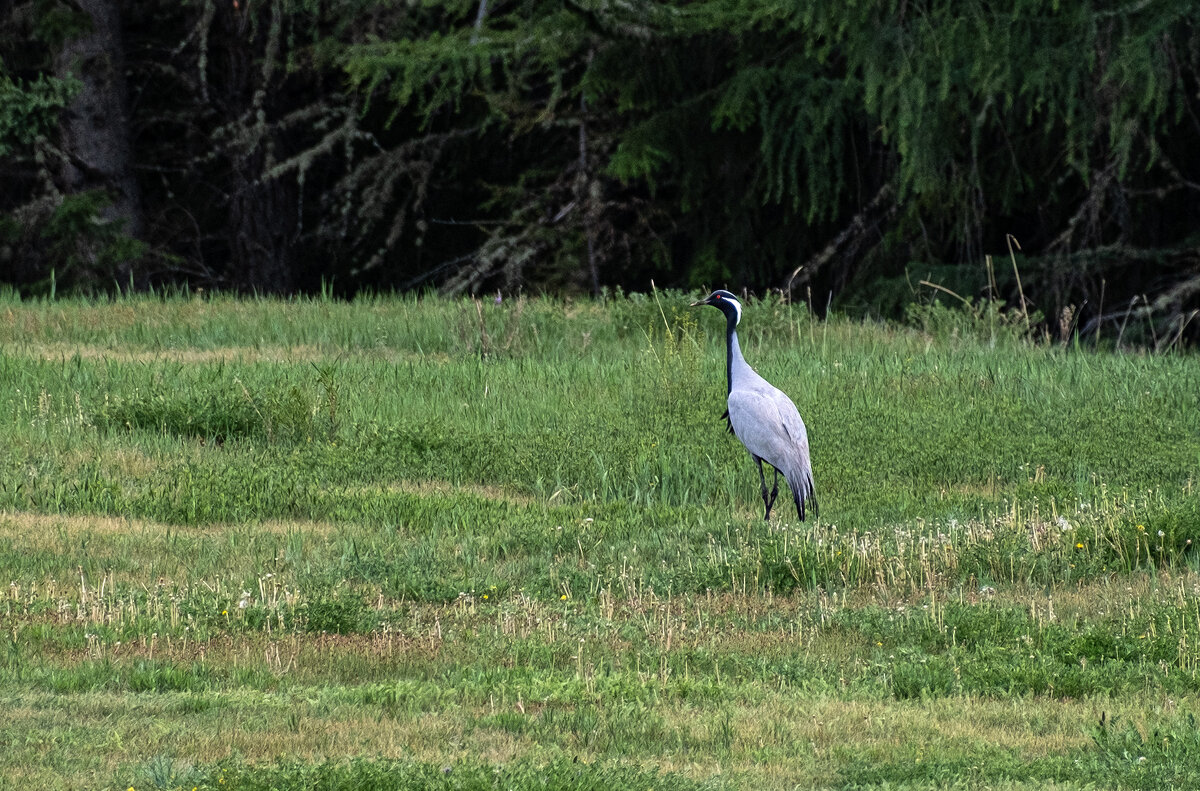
point(727, 303)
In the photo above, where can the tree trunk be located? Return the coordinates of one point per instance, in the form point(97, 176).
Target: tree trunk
point(96, 128)
point(260, 229)
point(262, 210)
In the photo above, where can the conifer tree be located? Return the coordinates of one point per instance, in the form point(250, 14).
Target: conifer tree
point(570, 145)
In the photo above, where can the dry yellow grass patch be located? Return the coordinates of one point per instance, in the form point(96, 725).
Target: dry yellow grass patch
point(489, 492)
point(305, 658)
point(42, 530)
point(575, 310)
point(28, 528)
point(57, 351)
point(35, 321)
point(60, 350)
point(114, 730)
point(1103, 597)
point(806, 738)
point(485, 491)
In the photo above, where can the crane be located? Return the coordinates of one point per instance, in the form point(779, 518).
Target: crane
point(763, 418)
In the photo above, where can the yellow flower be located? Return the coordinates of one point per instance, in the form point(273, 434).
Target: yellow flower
point(563, 597)
point(224, 612)
point(1141, 527)
point(485, 595)
point(1079, 545)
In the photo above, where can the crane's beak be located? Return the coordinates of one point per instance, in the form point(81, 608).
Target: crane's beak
point(698, 303)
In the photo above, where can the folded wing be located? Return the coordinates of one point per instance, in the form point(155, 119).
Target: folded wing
point(769, 425)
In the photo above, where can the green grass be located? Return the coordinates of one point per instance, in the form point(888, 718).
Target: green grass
point(404, 543)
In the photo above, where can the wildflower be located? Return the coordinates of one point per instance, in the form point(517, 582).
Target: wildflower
point(563, 597)
point(1160, 534)
point(1079, 545)
point(224, 612)
point(485, 595)
point(1141, 527)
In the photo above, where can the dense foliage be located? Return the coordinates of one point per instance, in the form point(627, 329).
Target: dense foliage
point(837, 151)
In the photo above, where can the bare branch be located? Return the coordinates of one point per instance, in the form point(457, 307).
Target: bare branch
point(856, 227)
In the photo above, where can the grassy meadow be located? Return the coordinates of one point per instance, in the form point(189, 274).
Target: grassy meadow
point(401, 543)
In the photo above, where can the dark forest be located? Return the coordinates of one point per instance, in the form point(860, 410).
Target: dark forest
point(840, 153)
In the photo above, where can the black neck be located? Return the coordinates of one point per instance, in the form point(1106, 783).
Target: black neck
point(730, 340)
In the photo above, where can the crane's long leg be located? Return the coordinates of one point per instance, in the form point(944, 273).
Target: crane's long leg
point(768, 499)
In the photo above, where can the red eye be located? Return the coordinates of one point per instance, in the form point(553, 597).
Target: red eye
point(718, 296)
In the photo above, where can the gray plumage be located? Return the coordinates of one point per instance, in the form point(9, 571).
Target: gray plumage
point(763, 418)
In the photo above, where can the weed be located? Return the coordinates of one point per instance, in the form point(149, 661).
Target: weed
point(1128, 757)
